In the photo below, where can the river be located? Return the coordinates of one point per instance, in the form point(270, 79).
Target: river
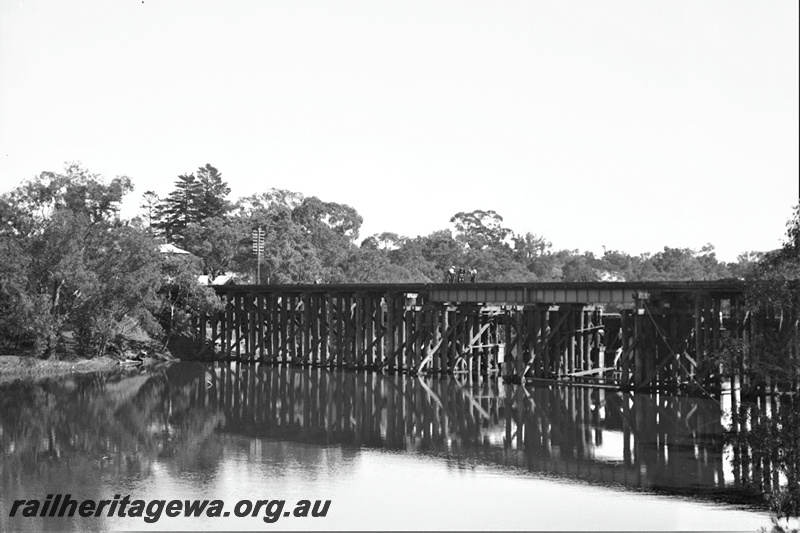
point(366, 451)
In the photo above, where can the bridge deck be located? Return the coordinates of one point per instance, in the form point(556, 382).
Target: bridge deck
point(617, 292)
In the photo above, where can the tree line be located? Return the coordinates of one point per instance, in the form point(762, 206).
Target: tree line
point(308, 239)
point(76, 276)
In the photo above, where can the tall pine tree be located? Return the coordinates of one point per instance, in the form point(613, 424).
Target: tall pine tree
point(212, 202)
point(194, 199)
point(180, 208)
point(150, 209)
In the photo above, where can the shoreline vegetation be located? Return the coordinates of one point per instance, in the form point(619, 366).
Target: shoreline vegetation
point(14, 367)
point(23, 365)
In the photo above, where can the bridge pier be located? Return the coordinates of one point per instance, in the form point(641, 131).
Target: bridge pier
point(669, 342)
point(552, 341)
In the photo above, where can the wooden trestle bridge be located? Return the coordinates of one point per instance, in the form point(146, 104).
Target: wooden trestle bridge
point(661, 335)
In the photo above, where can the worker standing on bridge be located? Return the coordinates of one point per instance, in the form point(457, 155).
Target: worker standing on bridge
point(473, 275)
point(451, 274)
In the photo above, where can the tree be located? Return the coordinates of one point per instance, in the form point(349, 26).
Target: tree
point(193, 200)
point(216, 241)
point(775, 435)
point(150, 209)
point(676, 264)
point(341, 219)
point(180, 208)
point(390, 258)
point(580, 268)
point(529, 246)
point(289, 255)
point(745, 264)
point(773, 300)
point(642, 268)
point(710, 265)
point(383, 241)
point(497, 265)
point(331, 229)
point(211, 201)
point(617, 263)
point(79, 275)
point(179, 296)
point(546, 267)
point(371, 265)
point(480, 229)
point(245, 207)
point(407, 256)
point(441, 249)
point(118, 290)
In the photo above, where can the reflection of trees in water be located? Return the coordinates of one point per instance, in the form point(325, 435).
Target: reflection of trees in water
point(62, 435)
point(767, 450)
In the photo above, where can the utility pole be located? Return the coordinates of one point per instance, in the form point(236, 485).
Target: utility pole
point(258, 248)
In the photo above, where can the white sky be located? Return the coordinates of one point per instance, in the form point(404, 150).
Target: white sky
point(628, 124)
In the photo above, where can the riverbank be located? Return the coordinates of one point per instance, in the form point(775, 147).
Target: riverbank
point(13, 367)
point(24, 367)
point(135, 350)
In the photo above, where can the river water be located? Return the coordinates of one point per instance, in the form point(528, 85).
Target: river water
point(386, 452)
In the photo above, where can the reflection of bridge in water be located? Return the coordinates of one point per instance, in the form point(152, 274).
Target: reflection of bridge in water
point(658, 442)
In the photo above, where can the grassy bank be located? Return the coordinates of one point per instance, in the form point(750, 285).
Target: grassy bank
point(138, 353)
point(14, 367)
point(135, 349)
